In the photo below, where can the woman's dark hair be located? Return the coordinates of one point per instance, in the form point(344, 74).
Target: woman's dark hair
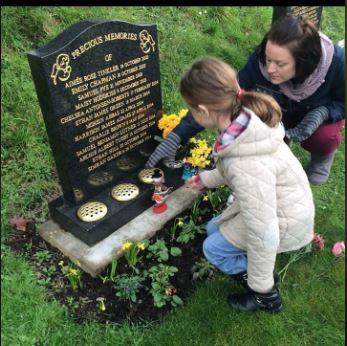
point(302, 39)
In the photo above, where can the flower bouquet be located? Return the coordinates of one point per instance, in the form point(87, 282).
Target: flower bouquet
point(168, 122)
point(196, 155)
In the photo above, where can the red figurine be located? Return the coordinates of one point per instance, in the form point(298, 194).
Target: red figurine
point(160, 193)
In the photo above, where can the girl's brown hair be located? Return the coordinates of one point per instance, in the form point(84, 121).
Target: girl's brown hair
point(213, 83)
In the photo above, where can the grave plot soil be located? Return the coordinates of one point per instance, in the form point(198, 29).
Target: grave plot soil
point(82, 303)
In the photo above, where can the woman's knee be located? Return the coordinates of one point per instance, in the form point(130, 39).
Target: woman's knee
point(325, 140)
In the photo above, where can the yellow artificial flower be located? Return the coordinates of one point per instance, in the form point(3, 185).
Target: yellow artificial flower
point(166, 132)
point(102, 306)
point(168, 122)
point(126, 245)
point(182, 113)
point(199, 153)
point(101, 303)
point(141, 246)
point(73, 271)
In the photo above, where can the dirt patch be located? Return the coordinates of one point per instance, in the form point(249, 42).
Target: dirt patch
point(83, 303)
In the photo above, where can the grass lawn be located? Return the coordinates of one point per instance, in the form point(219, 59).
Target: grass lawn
point(313, 289)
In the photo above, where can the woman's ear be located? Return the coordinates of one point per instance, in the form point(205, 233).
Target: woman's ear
point(203, 110)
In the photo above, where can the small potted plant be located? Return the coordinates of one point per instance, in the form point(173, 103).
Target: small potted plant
point(198, 157)
point(194, 155)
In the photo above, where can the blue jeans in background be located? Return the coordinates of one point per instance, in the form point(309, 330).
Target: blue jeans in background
point(221, 253)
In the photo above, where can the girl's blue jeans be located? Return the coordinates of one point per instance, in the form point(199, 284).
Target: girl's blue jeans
point(221, 253)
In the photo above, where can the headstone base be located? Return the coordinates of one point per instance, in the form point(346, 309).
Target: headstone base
point(93, 259)
point(64, 213)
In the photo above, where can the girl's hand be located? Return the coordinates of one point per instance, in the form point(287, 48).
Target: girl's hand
point(190, 183)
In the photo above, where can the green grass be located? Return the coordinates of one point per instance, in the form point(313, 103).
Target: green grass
point(313, 290)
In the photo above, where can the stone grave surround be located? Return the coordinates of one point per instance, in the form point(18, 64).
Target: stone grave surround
point(98, 85)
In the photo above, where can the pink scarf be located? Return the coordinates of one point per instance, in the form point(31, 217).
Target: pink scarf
point(237, 126)
point(313, 81)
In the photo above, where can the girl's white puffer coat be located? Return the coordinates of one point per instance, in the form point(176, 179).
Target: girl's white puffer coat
point(273, 211)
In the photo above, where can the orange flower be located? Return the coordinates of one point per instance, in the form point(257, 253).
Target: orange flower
point(168, 122)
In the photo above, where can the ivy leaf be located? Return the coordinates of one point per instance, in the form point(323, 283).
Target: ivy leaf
point(20, 224)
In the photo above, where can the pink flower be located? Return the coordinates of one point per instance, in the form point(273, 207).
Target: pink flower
point(318, 241)
point(338, 249)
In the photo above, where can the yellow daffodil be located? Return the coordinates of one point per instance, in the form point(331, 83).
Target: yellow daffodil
point(73, 271)
point(61, 263)
point(199, 153)
point(180, 223)
point(205, 198)
point(126, 245)
point(141, 246)
point(182, 113)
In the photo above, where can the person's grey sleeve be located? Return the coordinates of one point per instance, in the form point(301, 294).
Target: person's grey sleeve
point(309, 124)
point(165, 150)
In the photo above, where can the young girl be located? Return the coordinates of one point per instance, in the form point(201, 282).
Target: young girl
point(273, 209)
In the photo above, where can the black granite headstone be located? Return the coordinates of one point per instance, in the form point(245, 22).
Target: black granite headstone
point(313, 13)
point(98, 84)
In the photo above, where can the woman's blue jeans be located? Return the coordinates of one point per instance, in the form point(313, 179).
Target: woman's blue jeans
point(221, 253)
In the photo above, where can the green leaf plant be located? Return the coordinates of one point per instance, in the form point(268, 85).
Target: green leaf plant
point(73, 274)
point(110, 275)
point(158, 250)
point(203, 270)
point(132, 252)
point(127, 286)
point(189, 230)
point(161, 289)
point(179, 222)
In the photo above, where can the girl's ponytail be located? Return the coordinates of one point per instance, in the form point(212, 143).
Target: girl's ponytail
point(263, 105)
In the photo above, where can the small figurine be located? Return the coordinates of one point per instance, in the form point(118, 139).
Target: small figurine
point(160, 193)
